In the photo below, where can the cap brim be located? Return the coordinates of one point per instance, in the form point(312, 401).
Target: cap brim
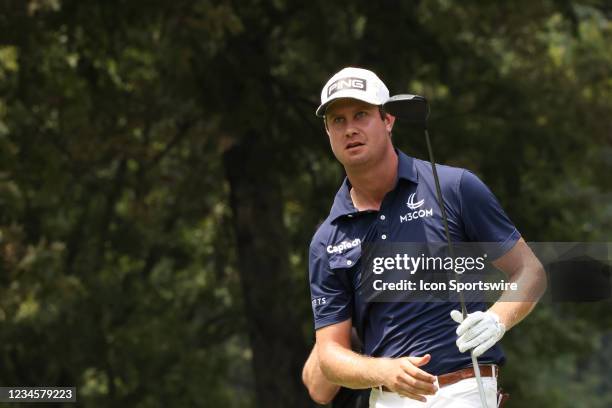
point(320, 112)
point(322, 108)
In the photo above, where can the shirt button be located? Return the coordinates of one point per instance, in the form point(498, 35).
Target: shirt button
point(383, 236)
point(349, 262)
point(350, 215)
point(382, 217)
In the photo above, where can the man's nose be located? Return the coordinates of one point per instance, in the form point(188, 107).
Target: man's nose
point(351, 129)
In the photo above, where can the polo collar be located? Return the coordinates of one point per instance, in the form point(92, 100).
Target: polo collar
point(343, 204)
point(406, 168)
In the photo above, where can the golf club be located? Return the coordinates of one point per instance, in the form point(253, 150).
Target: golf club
point(415, 109)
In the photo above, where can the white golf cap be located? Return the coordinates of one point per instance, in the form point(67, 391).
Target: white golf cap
point(356, 83)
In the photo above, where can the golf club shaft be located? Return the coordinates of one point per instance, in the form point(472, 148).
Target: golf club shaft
point(483, 398)
point(451, 253)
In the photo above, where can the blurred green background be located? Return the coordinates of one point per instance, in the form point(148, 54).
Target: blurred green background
point(162, 173)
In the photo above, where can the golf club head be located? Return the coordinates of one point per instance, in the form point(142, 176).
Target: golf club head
point(411, 108)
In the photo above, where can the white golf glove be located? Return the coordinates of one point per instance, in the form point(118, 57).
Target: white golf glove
point(479, 331)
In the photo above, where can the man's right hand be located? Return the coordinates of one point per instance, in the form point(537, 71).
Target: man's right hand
point(342, 366)
point(404, 377)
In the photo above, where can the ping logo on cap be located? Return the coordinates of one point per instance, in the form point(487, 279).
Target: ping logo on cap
point(346, 83)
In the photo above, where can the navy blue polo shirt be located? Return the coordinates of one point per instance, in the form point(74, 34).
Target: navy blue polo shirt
point(397, 329)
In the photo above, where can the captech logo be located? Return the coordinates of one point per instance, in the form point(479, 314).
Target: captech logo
point(346, 83)
point(343, 246)
point(411, 204)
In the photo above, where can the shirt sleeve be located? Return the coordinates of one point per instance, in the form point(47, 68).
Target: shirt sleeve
point(330, 288)
point(483, 217)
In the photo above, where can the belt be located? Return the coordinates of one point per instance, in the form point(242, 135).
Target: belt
point(489, 370)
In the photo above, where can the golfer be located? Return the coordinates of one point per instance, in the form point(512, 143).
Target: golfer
point(414, 353)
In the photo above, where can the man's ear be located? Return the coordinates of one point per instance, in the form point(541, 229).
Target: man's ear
point(389, 121)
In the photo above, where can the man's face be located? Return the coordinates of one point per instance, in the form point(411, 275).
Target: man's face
point(357, 133)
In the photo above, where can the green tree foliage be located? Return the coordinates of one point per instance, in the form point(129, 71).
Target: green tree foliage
point(162, 173)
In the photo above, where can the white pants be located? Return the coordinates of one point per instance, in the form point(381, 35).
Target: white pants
point(462, 394)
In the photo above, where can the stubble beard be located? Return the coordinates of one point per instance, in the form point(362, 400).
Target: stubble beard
point(366, 161)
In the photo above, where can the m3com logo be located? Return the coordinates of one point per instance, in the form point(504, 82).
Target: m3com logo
point(416, 212)
point(411, 204)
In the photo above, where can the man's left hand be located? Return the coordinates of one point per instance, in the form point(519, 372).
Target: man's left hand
point(479, 331)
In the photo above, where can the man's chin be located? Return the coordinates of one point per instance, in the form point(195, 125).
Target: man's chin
point(357, 160)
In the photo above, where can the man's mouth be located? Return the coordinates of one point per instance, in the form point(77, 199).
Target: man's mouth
point(353, 144)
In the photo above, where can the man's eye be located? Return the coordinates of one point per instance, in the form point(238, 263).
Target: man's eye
point(360, 114)
point(338, 120)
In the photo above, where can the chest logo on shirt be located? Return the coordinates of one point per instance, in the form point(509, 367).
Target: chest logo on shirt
point(343, 246)
point(416, 212)
point(411, 204)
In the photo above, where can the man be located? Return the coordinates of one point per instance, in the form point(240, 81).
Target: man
point(414, 353)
